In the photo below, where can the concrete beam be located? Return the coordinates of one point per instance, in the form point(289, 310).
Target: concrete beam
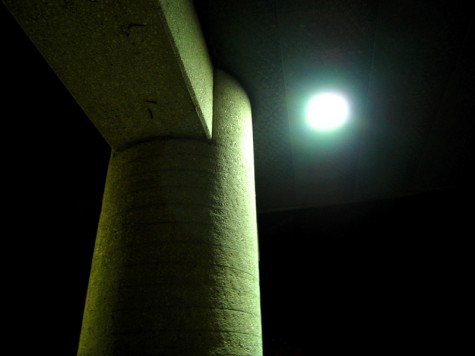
point(139, 69)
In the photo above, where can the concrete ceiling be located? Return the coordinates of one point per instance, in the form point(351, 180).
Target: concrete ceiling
point(407, 67)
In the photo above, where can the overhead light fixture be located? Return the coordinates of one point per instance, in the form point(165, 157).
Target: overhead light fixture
point(327, 111)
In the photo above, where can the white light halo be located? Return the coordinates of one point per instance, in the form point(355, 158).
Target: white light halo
point(327, 111)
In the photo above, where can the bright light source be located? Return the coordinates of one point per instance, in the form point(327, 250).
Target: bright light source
point(327, 111)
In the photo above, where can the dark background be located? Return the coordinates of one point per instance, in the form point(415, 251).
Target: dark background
point(376, 276)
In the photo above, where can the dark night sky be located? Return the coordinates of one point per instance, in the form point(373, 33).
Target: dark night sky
point(375, 276)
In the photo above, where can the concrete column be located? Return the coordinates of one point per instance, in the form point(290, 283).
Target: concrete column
point(175, 267)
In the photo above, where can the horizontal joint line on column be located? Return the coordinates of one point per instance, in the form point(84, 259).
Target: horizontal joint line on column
point(153, 331)
point(168, 170)
point(187, 284)
point(146, 140)
point(184, 307)
point(158, 186)
point(167, 154)
point(176, 242)
point(185, 222)
point(188, 263)
point(151, 205)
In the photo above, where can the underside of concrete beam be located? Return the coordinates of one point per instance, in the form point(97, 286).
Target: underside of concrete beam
point(139, 69)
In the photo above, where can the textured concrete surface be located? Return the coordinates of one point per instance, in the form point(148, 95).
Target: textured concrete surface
point(139, 69)
point(175, 268)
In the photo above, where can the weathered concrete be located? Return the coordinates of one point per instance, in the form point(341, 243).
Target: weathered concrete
point(175, 268)
point(139, 69)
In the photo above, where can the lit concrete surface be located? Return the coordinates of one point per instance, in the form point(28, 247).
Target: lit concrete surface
point(139, 69)
point(175, 267)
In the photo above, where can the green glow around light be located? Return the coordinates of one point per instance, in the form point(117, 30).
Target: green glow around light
point(327, 111)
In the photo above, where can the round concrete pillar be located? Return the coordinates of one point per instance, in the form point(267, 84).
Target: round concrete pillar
point(175, 266)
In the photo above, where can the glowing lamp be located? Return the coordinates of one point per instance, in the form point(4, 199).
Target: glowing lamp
point(327, 111)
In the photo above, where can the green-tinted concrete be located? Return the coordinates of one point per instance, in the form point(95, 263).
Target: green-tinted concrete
point(175, 268)
point(139, 69)
point(182, 22)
